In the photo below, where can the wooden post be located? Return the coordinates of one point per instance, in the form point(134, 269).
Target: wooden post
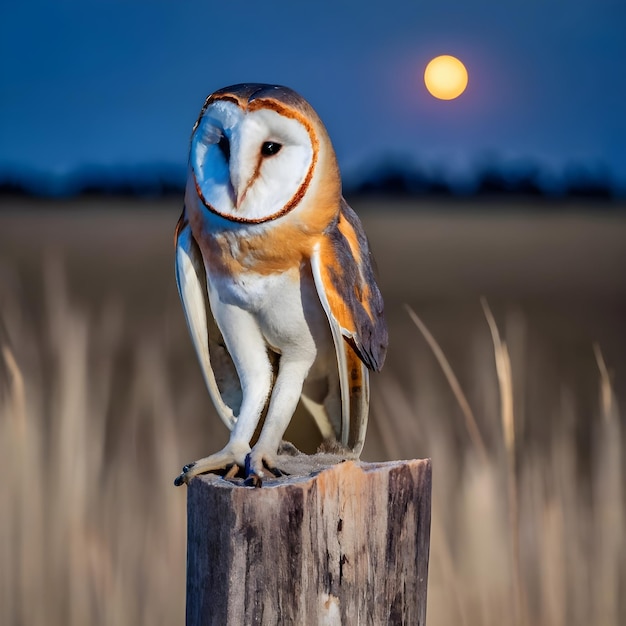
point(330, 544)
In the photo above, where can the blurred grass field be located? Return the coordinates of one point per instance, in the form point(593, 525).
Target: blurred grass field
point(102, 401)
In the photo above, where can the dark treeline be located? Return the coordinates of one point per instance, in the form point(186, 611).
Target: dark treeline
point(396, 180)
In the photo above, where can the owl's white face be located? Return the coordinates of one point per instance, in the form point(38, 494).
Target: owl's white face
point(250, 165)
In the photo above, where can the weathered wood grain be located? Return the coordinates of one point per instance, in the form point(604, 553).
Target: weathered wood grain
point(345, 545)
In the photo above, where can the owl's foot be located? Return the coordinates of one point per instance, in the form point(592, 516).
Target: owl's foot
point(227, 461)
point(259, 466)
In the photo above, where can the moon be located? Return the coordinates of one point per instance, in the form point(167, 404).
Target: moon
point(445, 77)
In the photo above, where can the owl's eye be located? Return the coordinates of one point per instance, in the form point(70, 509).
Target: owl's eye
point(270, 147)
point(224, 145)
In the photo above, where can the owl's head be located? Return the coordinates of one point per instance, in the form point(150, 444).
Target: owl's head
point(257, 151)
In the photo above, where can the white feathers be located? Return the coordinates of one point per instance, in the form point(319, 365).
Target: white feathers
point(209, 164)
point(340, 347)
point(189, 278)
point(233, 174)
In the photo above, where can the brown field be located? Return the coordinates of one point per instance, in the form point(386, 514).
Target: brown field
point(105, 402)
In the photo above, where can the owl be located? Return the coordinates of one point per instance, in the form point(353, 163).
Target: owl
point(275, 277)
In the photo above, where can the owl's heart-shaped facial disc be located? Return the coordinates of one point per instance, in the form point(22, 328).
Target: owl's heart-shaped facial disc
point(252, 164)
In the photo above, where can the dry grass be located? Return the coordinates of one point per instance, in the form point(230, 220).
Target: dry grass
point(91, 529)
point(99, 408)
point(523, 537)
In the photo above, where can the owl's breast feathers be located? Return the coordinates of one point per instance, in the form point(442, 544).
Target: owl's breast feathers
point(277, 246)
point(346, 267)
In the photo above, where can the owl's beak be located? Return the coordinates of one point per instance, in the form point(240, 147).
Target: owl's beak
point(239, 189)
point(233, 194)
point(240, 196)
point(235, 184)
point(242, 176)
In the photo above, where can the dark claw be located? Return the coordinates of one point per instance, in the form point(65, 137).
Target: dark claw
point(253, 480)
point(180, 480)
point(248, 465)
point(274, 470)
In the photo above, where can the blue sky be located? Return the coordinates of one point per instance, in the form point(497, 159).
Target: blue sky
point(119, 83)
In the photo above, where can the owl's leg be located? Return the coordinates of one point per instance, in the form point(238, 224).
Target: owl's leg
point(285, 395)
point(249, 353)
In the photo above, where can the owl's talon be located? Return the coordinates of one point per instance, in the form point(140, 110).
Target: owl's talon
point(272, 468)
point(226, 461)
point(183, 477)
point(278, 473)
point(231, 471)
point(254, 480)
point(256, 469)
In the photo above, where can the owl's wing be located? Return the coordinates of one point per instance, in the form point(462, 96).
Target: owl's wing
point(344, 277)
point(217, 366)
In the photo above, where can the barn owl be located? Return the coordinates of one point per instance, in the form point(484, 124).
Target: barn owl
point(275, 277)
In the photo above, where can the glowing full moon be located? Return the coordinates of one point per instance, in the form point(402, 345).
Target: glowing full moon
point(445, 77)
